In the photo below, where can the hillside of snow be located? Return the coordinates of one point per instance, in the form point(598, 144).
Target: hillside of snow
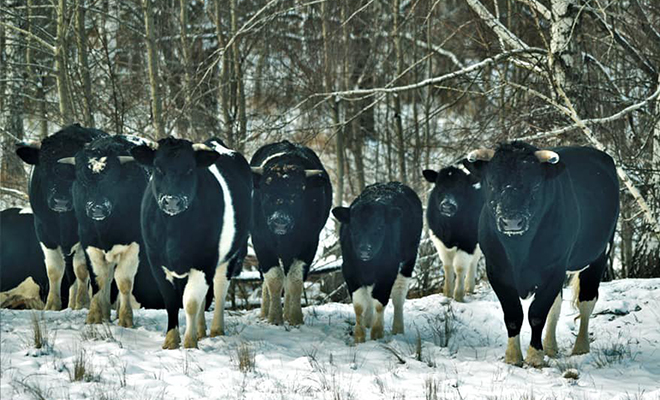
point(449, 351)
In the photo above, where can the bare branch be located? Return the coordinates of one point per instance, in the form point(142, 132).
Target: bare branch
point(538, 7)
point(500, 30)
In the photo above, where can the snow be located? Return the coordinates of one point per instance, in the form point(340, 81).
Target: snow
point(462, 354)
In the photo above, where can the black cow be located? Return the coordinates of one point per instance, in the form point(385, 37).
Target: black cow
point(379, 237)
point(291, 204)
point(107, 195)
point(452, 214)
point(196, 214)
point(54, 220)
point(547, 212)
point(20, 254)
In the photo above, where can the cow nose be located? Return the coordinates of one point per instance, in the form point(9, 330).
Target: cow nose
point(171, 201)
point(173, 205)
point(365, 251)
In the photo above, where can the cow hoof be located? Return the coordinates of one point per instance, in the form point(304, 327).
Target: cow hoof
point(377, 333)
point(126, 322)
point(217, 332)
point(535, 358)
point(189, 342)
point(580, 349)
point(172, 340)
point(513, 356)
point(551, 349)
point(397, 329)
point(459, 298)
point(53, 303)
point(275, 320)
point(295, 318)
point(359, 334)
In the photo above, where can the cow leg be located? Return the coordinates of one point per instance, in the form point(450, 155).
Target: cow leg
point(538, 313)
point(362, 304)
point(586, 295)
point(550, 340)
point(513, 316)
point(399, 293)
point(171, 298)
point(470, 280)
point(377, 329)
point(127, 266)
point(99, 309)
point(54, 260)
point(201, 321)
point(265, 301)
point(193, 298)
point(447, 258)
point(220, 287)
point(274, 278)
point(293, 294)
point(462, 261)
point(81, 292)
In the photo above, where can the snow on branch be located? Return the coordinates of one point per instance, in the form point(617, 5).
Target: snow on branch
point(500, 30)
point(538, 7)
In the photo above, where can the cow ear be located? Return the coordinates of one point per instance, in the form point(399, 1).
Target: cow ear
point(394, 213)
point(144, 155)
point(206, 158)
point(430, 175)
point(29, 154)
point(342, 214)
point(554, 170)
point(477, 169)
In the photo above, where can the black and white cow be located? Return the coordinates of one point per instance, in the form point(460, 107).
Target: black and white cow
point(196, 214)
point(107, 196)
point(547, 212)
point(292, 201)
point(379, 237)
point(452, 214)
point(54, 220)
point(20, 254)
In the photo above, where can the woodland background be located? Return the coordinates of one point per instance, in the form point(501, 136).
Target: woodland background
point(380, 89)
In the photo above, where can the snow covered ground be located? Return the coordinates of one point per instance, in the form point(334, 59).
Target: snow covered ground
point(461, 357)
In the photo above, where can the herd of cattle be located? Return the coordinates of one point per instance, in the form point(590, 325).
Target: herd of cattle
point(120, 204)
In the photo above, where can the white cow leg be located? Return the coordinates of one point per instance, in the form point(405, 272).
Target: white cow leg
point(54, 260)
point(193, 298)
point(362, 305)
point(447, 258)
point(127, 266)
point(274, 278)
point(220, 288)
point(265, 301)
point(399, 293)
point(201, 320)
point(377, 329)
point(293, 294)
point(471, 279)
point(550, 340)
point(513, 354)
point(582, 341)
point(462, 262)
point(99, 308)
point(81, 293)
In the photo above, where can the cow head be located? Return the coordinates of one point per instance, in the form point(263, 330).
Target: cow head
point(175, 164)
point(98, 173)
point(368, 223)
point(452, 188)
point(515, 180)
point(56, 179)
point(282, 184)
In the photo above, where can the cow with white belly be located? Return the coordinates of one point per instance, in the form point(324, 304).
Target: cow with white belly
point(292, 200)
point(107, 195)
point(196, 214)
point(379, 237)
point(547, 212)
point(54, 219)
point(452, 214)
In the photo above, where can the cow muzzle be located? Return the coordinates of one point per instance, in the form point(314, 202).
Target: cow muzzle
point(448, 207)
point(100, 210)
point(365, 252)
point(60, 204)
point(280, 223)
point(173, 205)
point(513, 224)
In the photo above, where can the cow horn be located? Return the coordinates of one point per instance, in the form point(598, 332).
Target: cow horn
point(480, 155)
point(547, 156)
point(35, 144)
point(258, 170)
point(125, 159)
point(67, 160)
point(201, 146)
point(313, 172)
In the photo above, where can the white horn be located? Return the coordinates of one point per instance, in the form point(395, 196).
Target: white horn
point(548, 156)
point(201, 146)
point(67, 160)
point(480, 155)
point(258, 170)
point(313, 172)
point(125, 159)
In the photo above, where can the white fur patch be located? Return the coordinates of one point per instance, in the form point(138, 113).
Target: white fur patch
point(222, 149)
point(220, 287)
point(362, 297)
point(228, 219)
point(25, 210)
point(97, 164)
point(264, 162)
point(460, 267)
point(194, 294)
point(170, 275)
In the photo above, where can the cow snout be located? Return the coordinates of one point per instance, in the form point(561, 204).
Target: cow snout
point(173, 205)
point(100, 210)
point(365, 252)
point(448, 206)
point(515, 224)
point(280, 223)
point(60, 204)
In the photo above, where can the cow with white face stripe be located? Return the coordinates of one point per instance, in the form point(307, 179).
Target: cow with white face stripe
point(292, 200)
point(452, 214)
point(107, 194)
point(54, 220)
point(547, 212)
point(196, 214)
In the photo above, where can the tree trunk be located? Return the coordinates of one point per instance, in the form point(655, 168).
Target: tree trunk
point(61, 60)
point(239, 92)
point(398, 125)
point(83, 64)
point(187, 125)
point(152, 62)
point(224, 78)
